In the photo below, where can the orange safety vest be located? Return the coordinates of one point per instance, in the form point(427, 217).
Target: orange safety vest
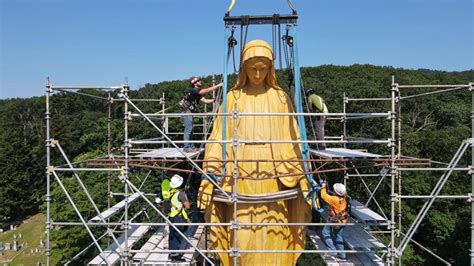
point(338, 204)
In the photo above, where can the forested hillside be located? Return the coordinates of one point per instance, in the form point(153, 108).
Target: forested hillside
point(432, 127)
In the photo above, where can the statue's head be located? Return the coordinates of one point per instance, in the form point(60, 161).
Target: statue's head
point(257, 66)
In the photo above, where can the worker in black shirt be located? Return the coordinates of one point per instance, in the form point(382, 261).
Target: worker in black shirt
point(189, 105)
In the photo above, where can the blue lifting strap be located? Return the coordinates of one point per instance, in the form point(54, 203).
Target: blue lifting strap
point(302, 127)
point(224, 99)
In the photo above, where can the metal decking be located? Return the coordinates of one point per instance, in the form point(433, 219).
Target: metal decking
point(168, 153)
point(343, 153)
point(351, 258)
point(116, 208)
point(111, 253)
point(366, 215)
point(159, 242)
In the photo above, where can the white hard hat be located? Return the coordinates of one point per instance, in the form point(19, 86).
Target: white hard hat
point(340, 189)
point(176, 181)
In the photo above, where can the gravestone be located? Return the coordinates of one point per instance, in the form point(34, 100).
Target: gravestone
point(7, 246)
point(41, 243)
point(19, 235)
point(15, 245)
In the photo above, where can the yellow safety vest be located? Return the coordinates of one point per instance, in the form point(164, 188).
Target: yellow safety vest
point(318, 102)
point(177, 207)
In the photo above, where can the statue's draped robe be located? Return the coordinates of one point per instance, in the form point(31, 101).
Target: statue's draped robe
point(263, 128)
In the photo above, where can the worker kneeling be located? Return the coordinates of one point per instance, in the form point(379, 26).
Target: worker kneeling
point(177, 214)
point(339, 214)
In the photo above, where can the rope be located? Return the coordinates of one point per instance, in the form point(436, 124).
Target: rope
point(259, 198)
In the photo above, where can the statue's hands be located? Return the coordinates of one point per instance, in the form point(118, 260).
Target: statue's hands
point(205, 194)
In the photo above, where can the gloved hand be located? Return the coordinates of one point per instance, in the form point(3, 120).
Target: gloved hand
point(158, 201)
point(323, 184)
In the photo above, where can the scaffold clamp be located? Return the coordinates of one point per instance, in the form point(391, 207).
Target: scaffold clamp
point(121, 94)
point(235, 114)
point(235, 253)
point(235, 226)
point(392, 115)
point(50, 169)
point(391, 143)
point(121, 178)
point(234, 198)
point(397, 253)
point(54, 142)
point(395, 197)
point(49, 89)
point(470, 197)
point(395, 87)
point(235, 143)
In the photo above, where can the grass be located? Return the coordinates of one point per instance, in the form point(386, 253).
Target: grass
point(32, 230)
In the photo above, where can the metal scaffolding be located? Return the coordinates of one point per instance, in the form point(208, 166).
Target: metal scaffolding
point(118, 169)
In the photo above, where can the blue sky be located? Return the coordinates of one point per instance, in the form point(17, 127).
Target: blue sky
point(101, 42)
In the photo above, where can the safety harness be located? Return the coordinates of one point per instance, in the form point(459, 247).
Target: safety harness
point(342, 215)
point(177, 207)
point(186, 105)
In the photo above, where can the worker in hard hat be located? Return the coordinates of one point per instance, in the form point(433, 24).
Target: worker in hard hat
point(177, 214)
point(317, 105)
point(339, 213)
point(189, 104)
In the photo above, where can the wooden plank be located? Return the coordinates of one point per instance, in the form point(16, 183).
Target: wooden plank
point(162, 244)
point(112, 252)
point(320, 245)
point(364, 214)
point(117, 207)
point(195, 233)
point(159, 258)
point(156, 242)
point(343, 153)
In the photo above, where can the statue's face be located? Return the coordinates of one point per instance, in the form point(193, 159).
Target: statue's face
point(257, 70)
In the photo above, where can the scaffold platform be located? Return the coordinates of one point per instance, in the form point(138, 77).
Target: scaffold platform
point(116, 208)
point(366, 215)
point(343, 153)
point(351, 258)
point(111, 253)
point(168, 153)
point(149, 252)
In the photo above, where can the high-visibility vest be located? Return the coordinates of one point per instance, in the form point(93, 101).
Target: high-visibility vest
point(318, 103)
point(343, 214)
point(177, 207)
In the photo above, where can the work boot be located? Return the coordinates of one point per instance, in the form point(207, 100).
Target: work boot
point(177, 258)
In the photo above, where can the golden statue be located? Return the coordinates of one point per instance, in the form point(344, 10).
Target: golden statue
point(263, 168)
